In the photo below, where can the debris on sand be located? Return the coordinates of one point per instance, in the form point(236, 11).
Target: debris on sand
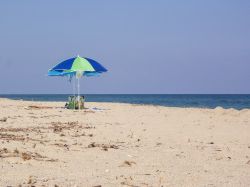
point(59, 126)
point(62, 145)
point(126, 183)
point(93, 144)
point(5, 153)
point(6, 136)
point(57, 129)
point(28, 129)
point(39, 107)
point(248, 162)
point(31, 181)
point(16, 151)
point(4, 119)
point(81, 134)
point(4, 150)
point(26, 156)
point(89, 111)
point(127, 163)
point(104, 147)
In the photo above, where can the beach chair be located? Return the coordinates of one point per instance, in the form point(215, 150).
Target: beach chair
point(73, 102)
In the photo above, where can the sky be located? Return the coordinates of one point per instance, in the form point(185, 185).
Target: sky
point(148, 46)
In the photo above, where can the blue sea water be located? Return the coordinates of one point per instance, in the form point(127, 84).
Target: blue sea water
point(237, 101)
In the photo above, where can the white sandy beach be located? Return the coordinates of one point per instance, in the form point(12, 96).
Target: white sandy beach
point(122, 145)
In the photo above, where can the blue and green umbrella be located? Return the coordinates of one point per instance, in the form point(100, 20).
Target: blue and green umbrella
point(77, 67)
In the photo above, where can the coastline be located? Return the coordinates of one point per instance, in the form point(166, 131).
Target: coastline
point(62, 103)
point(120, 144)
point(236, 101)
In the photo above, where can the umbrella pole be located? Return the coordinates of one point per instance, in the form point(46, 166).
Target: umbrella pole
point(79, 94)
point(74, 92)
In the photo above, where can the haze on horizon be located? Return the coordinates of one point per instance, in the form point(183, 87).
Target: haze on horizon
point(147, 46)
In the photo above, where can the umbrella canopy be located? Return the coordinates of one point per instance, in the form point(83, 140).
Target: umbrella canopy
point(77, 65)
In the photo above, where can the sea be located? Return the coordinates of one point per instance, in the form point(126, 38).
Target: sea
point(236, 101)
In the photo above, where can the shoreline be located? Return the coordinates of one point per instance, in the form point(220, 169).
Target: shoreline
point(134, 104)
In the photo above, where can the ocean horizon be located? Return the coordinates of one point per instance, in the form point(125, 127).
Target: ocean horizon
point(236, 101)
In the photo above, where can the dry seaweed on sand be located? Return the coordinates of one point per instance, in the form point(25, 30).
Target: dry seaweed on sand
point(126, 183)
point(62, 145)
point(127, 163)
point(13, 137)
point(104, 147)
point(6, 136)
point(26, 156)
point(26, 129)
point(4, 119)
point(59, 126)
point(5, 153)
point(39, 107)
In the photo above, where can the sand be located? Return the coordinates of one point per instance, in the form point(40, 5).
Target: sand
point(43, 144)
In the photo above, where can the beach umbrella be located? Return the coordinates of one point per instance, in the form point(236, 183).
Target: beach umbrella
point(77, 67)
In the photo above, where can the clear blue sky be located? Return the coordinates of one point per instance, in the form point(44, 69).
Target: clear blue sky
point(156, 46)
